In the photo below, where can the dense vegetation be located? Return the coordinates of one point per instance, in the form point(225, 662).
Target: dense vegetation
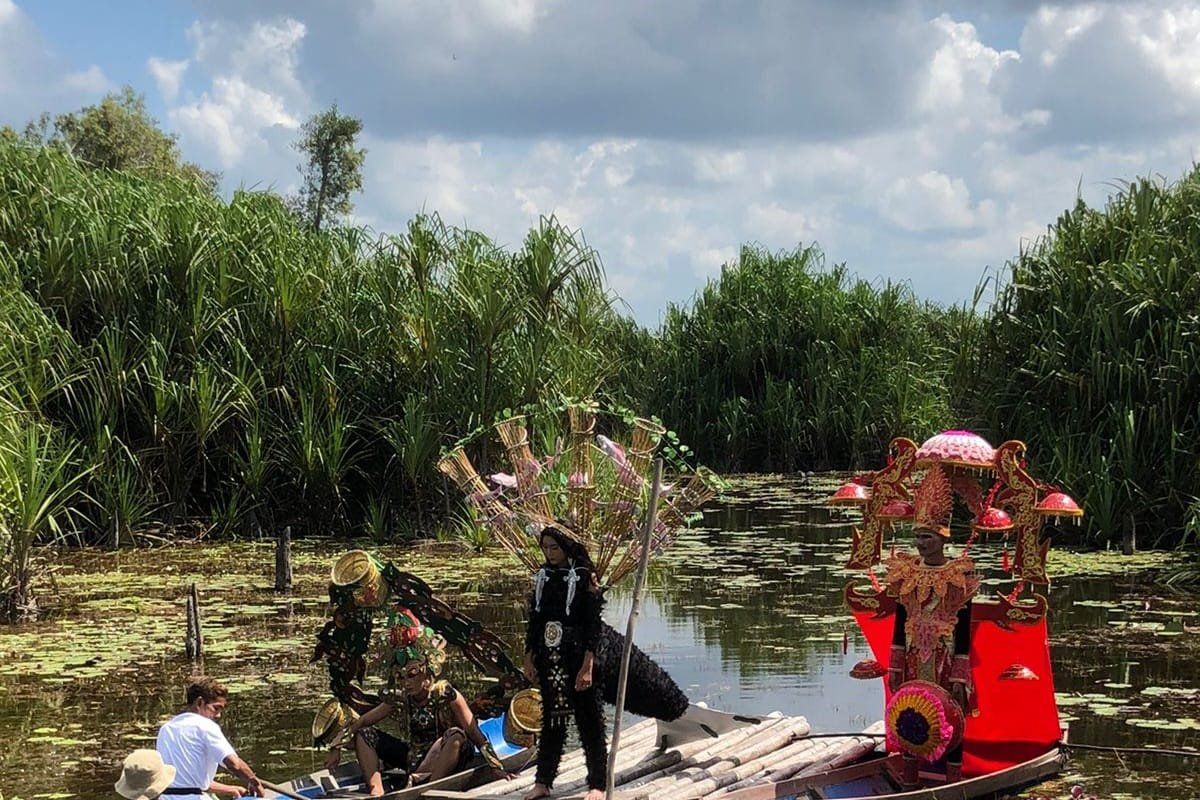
point(780, 364)
point(169, 359)
point(1092, 354)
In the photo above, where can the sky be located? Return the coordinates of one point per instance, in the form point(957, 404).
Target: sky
point(913, 141)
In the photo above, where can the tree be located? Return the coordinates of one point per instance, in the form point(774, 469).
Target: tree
point(333, 169)
point(118, 133)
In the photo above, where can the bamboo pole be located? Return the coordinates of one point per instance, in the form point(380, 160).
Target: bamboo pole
point(702, 779)
point(569, 767)
point(800, 748)
point(639, 582)
point(576, 775)
point(656, 765)
point(710, 754)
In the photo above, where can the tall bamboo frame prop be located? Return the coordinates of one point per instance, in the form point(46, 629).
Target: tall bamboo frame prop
point(565, 490)
point(620, 515)
point(458, 467)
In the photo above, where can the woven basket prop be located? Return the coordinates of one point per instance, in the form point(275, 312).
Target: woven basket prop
point(523, 722)
point(358, 569)
point(595, 490)
point(330, 718)
point(922, 719)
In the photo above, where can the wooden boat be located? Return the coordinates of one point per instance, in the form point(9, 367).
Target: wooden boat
point(704, 754)
point(346, 781)
point(709, 754)
point(876, 779)
point(763, 759)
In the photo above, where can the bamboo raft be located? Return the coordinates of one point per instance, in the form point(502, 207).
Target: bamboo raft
point(776, 748)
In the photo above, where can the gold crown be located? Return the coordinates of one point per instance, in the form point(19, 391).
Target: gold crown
point(933, 501)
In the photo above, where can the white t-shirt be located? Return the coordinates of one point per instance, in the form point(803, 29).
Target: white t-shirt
point(195, 746)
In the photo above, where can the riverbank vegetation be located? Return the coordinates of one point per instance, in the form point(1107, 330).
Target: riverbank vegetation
point(171, 361)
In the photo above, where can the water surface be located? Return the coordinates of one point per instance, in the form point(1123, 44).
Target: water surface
point(745, 612)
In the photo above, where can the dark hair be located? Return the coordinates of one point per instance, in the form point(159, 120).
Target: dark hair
point(206, 689)
point(575, 550)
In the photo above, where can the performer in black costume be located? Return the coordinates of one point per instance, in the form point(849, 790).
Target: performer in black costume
point(567, 647)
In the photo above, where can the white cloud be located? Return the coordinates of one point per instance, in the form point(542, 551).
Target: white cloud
point(1109, 72)
point(909, 141)
point(168, 75)
point(930, 201)
point(229, 119)
point(255, 100)
point(90, 81)
point(708, 262)
point(34, 77)
point(779, 226)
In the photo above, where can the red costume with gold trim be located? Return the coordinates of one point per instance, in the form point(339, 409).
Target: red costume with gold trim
point(929, 624)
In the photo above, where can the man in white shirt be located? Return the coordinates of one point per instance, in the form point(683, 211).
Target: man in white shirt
point(193, 743)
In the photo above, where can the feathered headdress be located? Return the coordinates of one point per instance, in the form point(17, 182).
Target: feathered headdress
point(408, 640)
point(596, 492)
point(933, 501)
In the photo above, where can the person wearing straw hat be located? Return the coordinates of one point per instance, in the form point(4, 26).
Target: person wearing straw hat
point(193, 743)
point(443, 730)
point(144, 776)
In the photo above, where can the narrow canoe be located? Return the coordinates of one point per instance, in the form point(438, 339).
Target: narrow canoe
point(876, 779)
point(346, 781)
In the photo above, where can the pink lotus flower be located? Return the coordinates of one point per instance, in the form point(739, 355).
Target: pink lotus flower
point(611, 449)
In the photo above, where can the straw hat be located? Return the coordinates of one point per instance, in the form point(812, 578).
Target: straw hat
point(144, 776)
point(331, 717)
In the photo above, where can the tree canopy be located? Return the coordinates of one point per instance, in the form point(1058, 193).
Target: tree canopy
point(332, 170)
point(119, 134)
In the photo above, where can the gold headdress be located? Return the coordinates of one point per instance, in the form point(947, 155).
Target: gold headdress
point(596, 492)
point(934, 499)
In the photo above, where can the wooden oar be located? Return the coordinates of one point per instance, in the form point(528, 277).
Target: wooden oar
point(277, 789)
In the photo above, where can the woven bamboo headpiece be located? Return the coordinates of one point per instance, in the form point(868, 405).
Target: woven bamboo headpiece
point(595, 491)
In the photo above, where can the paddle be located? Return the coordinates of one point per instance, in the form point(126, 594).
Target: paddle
point(280, 790)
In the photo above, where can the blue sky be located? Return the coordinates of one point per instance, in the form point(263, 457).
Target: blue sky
point(914, 141)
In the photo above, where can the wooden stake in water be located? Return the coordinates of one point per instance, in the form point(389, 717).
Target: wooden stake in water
point(283, 560)
point(639, 582)
point(195, 639)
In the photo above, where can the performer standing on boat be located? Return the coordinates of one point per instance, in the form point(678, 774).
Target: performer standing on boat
point(931, 638)
point(574, 656)
point(443, 731)
point(561, 641)
point(552, 508)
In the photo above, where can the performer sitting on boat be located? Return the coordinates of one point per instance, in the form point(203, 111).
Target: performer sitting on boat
point(443, 731)
point(931, 637)
point(575, 658)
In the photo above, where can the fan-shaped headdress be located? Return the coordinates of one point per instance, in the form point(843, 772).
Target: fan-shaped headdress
point(595, 492)
point(933, 501)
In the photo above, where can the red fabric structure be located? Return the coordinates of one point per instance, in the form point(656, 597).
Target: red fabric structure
point(1015, 720)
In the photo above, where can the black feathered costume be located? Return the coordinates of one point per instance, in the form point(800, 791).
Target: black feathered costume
point(564, 624)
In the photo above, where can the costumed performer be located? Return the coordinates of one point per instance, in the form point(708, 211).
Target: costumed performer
point(931, 638)
point(567, 648)
point(443, 731)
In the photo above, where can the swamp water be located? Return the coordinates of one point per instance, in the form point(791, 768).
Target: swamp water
point(744, 611)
